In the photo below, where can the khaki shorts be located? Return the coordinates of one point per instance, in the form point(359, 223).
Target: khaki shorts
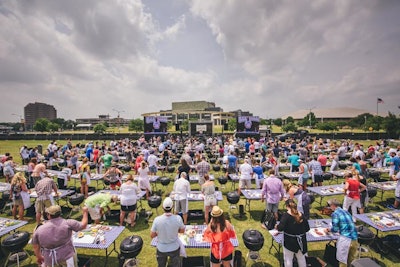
point(41, 205)
point(18, 202)
point(245, 183)
point(94, 213)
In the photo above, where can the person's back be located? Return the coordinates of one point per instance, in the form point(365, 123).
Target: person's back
point(181, 188)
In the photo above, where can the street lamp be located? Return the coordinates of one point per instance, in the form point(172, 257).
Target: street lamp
point(118, 118)
point(309, 115)
point(21, 120)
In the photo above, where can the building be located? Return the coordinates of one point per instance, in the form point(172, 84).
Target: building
point(196, 110)
point(90, 122)
point(34, 111)
point(327, 114)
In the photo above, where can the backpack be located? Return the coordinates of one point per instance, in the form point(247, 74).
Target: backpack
point(268, 220)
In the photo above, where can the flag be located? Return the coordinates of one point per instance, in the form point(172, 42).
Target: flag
point(379, 101)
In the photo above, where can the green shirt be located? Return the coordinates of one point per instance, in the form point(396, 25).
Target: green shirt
point(107, 159)
point(102, 200)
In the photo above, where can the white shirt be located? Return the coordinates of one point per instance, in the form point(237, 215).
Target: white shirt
point(181, 188)
point(152, 160)
point(246, 171)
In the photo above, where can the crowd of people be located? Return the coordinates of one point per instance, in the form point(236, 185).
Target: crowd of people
point(247, 159)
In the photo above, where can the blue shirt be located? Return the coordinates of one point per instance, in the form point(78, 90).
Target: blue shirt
point(293, 159)
point(396, 163)
point(259, 171)
point(342, 222)
point(167, 227)
point(232, 161)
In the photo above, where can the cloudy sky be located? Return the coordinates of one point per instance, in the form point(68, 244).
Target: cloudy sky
point(266, 56)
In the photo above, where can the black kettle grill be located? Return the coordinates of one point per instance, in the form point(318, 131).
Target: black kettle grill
point(130, 247)
point(253, 240)
point(154, 201)
point(233, 197)
point(14, 244)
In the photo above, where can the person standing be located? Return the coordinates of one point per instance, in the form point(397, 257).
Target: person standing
point(342, 223)
point(219, 232)
point(166, 228)
point(208, 190)
point(293, 159)
point(85, 177)
point(44, 198)
point(272, 191)
point(203, 168)
point(113, 175)
point(184, 167)
point(246, 172)
point(8, 169)
point(258, 174)
point(181, 191)
point(352, 190)
point(38, 172)
point(323, 160)
point(107, 159)
point(18, 185)
point(316, 172)
point(152, 161)
point(304, 174)
point(294, 227)
point(52, 242)
point(128, 198)
point(144, 181)
point(232, 164)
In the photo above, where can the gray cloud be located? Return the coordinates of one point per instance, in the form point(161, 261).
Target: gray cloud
point(269, 57)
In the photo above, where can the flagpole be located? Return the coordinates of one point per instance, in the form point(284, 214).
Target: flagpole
point(377, 103)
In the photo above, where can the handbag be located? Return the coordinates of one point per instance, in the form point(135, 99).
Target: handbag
point(268, 220)
point(326, 211)
point(330, 254)
point(26, 199)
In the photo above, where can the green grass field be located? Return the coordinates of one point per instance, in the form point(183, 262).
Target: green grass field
point(251, 220)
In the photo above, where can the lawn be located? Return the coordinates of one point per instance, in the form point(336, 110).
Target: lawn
point(251, 220)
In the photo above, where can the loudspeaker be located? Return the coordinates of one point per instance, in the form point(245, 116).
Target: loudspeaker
point(241, 211)
point(177, 126)
point(225, 127)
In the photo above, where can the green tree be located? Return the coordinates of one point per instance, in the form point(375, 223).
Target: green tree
point(136, 125)
point(391, 124)
point(184, 125)
point(232, 124)
point(41, 125)
point(52, 127)
point(289, 120)
point(308, 120)
point(374, 122)
point(99, 128)
point(290, 127)
point(327, 126)
point(360, 121)
point(278, 122)
point(264, 122)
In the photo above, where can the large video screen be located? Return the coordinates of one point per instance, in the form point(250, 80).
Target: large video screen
point(200, 128)
point(248, 124)
point(155, 124)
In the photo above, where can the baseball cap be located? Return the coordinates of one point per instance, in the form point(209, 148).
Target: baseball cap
point(168, 203)
point(52, 210)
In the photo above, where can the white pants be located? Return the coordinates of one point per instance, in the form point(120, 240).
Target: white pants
point(353, 203)
point(288, 258)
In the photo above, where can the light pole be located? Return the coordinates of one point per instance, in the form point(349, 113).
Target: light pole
point(118, 118)
point(309, 115)
point(21, 120)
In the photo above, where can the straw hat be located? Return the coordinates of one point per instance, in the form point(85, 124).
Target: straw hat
point(52, 210)
point(216, 211)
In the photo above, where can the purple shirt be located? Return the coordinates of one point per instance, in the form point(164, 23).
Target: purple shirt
point(56, 234)
point(273, 188)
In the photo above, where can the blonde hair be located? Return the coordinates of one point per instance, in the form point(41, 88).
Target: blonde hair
point(18, 178)
point(286, 184)
point(129, 177)
point(143, 164)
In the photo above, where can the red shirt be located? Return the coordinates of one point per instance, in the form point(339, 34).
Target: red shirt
point(353, 191)
point(221, 245)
